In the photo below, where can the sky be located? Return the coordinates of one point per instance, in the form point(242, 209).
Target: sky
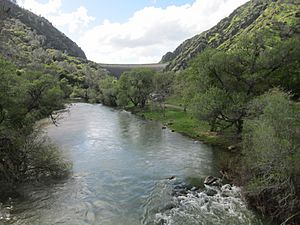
point(131, 31)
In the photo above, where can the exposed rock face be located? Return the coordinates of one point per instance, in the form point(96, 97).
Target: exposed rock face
point(248, 18)
point(168, 57)
point(53, 38)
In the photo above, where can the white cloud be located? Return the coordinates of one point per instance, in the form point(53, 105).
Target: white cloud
point(147, 35)
point(73, 21)
point(52, 6)
point(152, 31)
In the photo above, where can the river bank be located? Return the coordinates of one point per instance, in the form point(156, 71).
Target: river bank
point(229, 160)
point(178, 120)
point(102, 142)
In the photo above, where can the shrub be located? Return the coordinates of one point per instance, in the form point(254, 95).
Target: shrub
point(271, 143)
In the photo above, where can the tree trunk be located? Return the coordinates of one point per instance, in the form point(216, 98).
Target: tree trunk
point(239, 127)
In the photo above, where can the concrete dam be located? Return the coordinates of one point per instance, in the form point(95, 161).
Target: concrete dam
point(117, 69)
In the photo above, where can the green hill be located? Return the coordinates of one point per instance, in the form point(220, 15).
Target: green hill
point(51, 37)
point(32, 43)
point(278, 17)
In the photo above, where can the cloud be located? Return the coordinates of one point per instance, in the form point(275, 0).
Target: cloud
point(73, 21)
point(153, 31)
point(52, 6)
point(147, 35)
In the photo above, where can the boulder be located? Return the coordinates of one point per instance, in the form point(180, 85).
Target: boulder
point(210, 192)
point(213, 181)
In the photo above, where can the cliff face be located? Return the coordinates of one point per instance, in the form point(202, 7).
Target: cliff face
point(52, 38)
point(278, 16)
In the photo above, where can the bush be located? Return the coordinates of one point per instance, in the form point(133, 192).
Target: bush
point(271, 143)
point(43, 158)
point(26, 97)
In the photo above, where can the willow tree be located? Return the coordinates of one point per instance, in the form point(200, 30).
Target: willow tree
point(135, 86)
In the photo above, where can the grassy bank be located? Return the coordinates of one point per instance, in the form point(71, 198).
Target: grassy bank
point(183, 122)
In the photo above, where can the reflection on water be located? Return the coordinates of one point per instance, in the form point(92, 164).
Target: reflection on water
point(120, 168)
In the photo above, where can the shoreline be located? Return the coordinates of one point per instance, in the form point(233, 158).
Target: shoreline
point(229, 164)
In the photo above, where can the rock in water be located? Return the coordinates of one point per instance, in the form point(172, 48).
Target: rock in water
point(210, 192)
point(213, 181)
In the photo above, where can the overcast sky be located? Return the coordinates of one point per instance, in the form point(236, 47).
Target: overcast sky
point(131, 31)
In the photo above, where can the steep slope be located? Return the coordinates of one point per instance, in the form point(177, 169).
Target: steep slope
point(52, 38)
point(29, 50)
point(279, 17)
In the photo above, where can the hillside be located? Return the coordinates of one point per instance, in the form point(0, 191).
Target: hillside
point(278, 17)
point(51, 37)
point(33, 44)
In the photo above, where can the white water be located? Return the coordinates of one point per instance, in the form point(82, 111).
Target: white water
point(225, 207)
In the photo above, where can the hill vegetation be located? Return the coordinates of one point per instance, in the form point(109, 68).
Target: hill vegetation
point(23, 45)
point(51, 38)
point(279, 17)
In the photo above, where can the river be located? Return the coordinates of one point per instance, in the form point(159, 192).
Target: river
point(121, 166)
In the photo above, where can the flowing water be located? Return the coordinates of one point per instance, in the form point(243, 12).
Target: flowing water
point(121, 166)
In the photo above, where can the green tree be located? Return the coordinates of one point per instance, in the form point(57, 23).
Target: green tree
point(162, 88)
point(163, 83)
point(109, 89)
point(26, 97)
point(135, 86)
point(240, 74)
point(65, 87)
point(208, 106)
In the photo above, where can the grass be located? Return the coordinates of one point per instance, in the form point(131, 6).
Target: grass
point(182, 122)
point(174, 100)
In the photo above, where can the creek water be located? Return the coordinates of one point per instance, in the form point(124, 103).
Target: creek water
point(121, 166)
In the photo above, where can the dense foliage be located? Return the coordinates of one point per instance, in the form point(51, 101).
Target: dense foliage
point(23, 46)
point(219, 85)
point(271, 145)
point(136, 88)
point(26, 97)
